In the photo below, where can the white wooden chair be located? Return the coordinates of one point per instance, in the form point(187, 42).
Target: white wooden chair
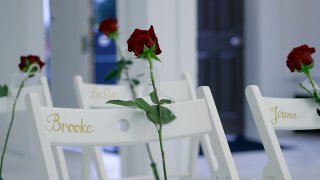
point(99, 127)
point(272, 114)
point(21, 144)
point(95, 96)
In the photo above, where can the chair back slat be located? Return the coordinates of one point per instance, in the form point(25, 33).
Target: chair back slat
point(177, 91)
point(293, 113)
point(6, 103)
point(265, 112)
point(97, 127)
point(101, 126)
point(96, 96)
point(21, 133)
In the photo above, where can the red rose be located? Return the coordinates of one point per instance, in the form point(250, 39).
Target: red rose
point(300, 55)
point(108, 26)
point(27, 61)
point(139, 38)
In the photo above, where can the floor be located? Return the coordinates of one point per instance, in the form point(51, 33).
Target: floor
point(301, 153)
point(300, 150)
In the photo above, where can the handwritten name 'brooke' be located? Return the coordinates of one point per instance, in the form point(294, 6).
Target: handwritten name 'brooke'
point(282, 115)
point(54, 123)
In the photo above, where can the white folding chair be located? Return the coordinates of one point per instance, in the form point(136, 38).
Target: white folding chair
point(95, 96)
point(99, 127)
point(272, 114)
point(21, 143)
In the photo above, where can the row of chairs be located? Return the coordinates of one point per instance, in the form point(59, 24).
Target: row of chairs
point(98, 124)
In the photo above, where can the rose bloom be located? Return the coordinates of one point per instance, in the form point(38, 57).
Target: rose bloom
point(300, 55)
point(139, 38)
point(27, 61)
point(108, 26)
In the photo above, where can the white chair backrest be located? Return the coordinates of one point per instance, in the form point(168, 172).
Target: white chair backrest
point(21, 134)
point(22, 145)
point(99, 127)
point(40, 89)
point(95, 96)
point(272, 114)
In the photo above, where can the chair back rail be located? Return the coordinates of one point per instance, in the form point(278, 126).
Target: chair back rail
point(93, 127)
point(271, 114)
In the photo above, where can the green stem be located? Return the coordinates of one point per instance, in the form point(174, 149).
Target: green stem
point(307, 90)
point(11, 123)
point(315, 94)
point(153, 164)
point(119, 49)
point(134, 94)
point(160, 114)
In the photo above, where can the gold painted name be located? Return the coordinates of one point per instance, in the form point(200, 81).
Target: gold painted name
point(104, 93)
point(282, 115)
point(54, 123)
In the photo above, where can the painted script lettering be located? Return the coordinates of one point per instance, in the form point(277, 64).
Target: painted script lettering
point(54, 123)
point(104, 93)
point(277, 114)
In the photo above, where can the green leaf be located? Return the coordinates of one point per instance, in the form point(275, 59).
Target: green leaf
point(129, 62)
point(119, 74)
point(113, 35)
point(142, 104)
point(165, 101)
point(153, 97)
point(122, 103)
point(155, 57)
point(4, 90)
point(136, 82)
point(145, 48)
point(153, 47)
point(121, 64)
point(112, 74)
point(141, 56)
point(306, 68)
point(154, 115)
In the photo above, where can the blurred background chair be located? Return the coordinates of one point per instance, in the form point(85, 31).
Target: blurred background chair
point(21, 155)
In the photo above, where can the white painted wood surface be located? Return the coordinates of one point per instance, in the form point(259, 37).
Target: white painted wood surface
point(21, 143)
point(272, 114)
point(92, 127)
point(95, 96)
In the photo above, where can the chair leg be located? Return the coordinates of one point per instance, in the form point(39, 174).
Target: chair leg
point(98, 161)
point(85, 163)
point(194, 152)
point(62, 167)
point(208, 153)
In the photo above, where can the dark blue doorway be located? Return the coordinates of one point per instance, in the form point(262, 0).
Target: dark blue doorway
point(104, 49)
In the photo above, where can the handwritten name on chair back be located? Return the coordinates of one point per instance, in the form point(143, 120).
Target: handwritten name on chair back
point(55, 123)
point(278, 115)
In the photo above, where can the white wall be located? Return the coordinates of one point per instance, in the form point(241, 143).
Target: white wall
point(70, 24)
point(176, 27)
point(21, 33)
point(272, 29)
